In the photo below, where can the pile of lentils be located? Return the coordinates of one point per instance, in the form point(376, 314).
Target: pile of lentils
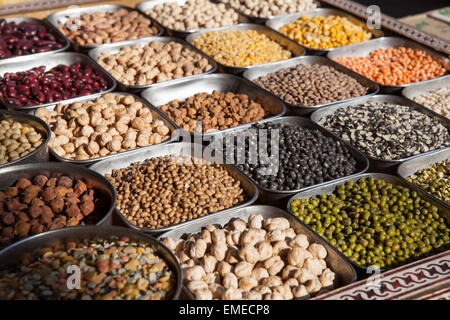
point(306, 157)
point(310, 85)
point(374, 222)
point(110, 270)
point(168, 190)
point(435, 179)
point(387, 131)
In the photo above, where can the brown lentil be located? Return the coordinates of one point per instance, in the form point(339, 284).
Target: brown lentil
point(168, 190)
point(110, 270)
point(217, 111)
point(310, 85)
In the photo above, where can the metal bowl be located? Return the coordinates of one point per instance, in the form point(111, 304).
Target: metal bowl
point(14, 254)
point(102, 186)
point(41, 153)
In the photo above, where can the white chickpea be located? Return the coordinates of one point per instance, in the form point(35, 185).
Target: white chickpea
point(318, 251)
point(209, 262)
point(203, 294)
point(249, 254)
point(230, 281)
point(194, 273)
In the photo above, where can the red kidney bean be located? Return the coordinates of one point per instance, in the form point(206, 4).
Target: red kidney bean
point(26, 38)
point(36, 86)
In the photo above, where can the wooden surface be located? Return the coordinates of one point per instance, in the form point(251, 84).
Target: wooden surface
point(44, 13)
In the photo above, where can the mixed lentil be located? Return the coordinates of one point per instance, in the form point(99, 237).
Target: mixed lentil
point(168, 190)
point(374, 222)
point(306, 156)
point(310, 85)
point(238, 48)
point(110, 270)
point(387, 131)
point(435, 179)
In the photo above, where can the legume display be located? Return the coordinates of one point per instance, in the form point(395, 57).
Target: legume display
point(435, 179)
point(395, 66)
point(42, 204)
point(168, 190)
point(37, 86)
point(105, 27)
point(216, 111)
point(17, 139)
point(154, 62)
point(325, 32)
point(110, 270)
point(23, 38)
point(265, 9)
point(237, 48)
point(107, 125)
point(387, 131)
point(306, 157)
point(262, 259)
point(309, 85)
point(374, 222)
point(437, 100)
point(193, 15)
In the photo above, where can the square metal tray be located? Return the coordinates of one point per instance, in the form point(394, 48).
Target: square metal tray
point(292, 46)
point(181, 148)
point(345, 273)
point(301, 110)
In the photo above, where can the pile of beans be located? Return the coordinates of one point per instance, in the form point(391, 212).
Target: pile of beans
point(153, 62)
point(395, 66)
point(42, 204)
point(237, 48)
point(193, 15)
point(17, 139)
point(105, 27)
point(387, 131)
point(216, 111)
point(261, 259)
point(37, 86)
point(310, 85)
point(19, 39)
point(437, 100)
point(109, 124)
point(325, 32)
point(265, 9)
point(374, 222)
point(168, 190)
point(118, 269)
point(306, 157)
point(435, 179)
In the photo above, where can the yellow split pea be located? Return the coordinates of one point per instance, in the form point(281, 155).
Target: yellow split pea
point(325, 32)
point(239, 48)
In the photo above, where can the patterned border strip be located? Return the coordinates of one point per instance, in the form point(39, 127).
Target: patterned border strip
point(393, 24)
point(37, 5)
point(428, 278)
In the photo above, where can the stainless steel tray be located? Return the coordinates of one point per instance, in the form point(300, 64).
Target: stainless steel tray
point(261, 20)
point(50, 61)
point(156, 114)
point(417, 89)
point(14, 254)
point(277, 22)
point(277, 197)
point(363, 49)
point(410, 167)
point(163, 93)
point(376, 162)
point(362, 271)
point(51, 28)
point(9, 175)
point(115, 47)
point(60, 17)
point(146, 6)
point(292, 46)
point(106, 167)
point(41, 153)
point(300, 110)
point(345, 273)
